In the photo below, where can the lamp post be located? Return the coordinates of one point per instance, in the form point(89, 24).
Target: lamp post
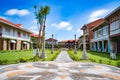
point(52, 51)
point(75, 51)
point(84, 53)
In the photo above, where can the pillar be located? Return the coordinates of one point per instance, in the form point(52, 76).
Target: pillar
point(109, 46)
point(103, 49)
point(94, 46)
point(98, 46)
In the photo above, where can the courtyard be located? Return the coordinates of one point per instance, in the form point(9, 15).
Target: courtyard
point(62, 68)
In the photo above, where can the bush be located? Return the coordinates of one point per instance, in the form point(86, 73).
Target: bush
point(23, 60)
point(118, 64)
point(100, 61)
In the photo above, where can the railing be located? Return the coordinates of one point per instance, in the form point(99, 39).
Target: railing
point(15, 37)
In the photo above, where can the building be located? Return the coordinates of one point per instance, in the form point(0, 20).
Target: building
point(88, 33)
point(13, 36)
point(100, 42)
point(51, 41)
point(80, 42)
point(113, 21)
point(34, 40)
point(70, 44)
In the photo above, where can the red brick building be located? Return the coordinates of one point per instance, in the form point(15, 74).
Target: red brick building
point(88, 33)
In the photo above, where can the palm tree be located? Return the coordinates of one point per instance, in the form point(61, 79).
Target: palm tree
point(44, 12)
point(39, 18)
point(41, 15)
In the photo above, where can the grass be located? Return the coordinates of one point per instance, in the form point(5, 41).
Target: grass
point(98, 57)
point(12, 57)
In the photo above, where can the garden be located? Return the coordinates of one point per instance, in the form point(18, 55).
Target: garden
point(20, 56)
point(97, 57)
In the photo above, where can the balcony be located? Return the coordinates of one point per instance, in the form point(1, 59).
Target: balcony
point(113, 32)
point(100, 38)
point(16, 37)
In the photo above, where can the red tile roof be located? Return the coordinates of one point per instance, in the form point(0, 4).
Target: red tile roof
point(94, 23)
point(18, 26)
point(34, 35)
point(50, 39)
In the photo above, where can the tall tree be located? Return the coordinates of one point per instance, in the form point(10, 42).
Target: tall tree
point(44, 12)
point(41, 14)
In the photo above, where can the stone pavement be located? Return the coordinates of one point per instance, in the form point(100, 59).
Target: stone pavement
point(59, 70)
point(63, 57)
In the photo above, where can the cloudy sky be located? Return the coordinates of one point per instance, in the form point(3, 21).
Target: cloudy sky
point(66, 16)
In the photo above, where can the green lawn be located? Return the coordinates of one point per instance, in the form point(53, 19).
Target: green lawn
point(11, 57)
point(98, 57)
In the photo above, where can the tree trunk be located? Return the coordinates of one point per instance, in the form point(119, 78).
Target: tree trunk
point(43, 55)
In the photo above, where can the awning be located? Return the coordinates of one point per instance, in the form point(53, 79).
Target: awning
point(24, 42)
point(12, 41)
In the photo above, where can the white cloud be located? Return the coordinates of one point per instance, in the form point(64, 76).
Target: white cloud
point(3, 17)
point(18, 12)
point(97, 14)
point(62, 25)
point(69, 28)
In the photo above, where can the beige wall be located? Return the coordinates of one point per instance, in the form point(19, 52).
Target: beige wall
point(18, 47)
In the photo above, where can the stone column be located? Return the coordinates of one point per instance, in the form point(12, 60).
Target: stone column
point(52, 46)
point(109, 46)
point(94, 46)
point(98, 46)
point(84, 53)
point(103, 49)
point(75, 51)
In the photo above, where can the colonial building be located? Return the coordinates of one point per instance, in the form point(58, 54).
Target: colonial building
point(34, 40)
point(13, 36)
point(113, 21)
point(100, 41)
point(70, 44)
point(88, 33)
point(80, 42)
point(51, 41)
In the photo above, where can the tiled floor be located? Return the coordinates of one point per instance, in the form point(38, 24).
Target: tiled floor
point(59, 70)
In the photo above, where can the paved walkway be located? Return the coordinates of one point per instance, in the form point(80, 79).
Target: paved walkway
point(59, 70)
point(63, 57)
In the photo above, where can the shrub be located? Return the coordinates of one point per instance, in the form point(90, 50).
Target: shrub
point(118, 64)
point(100, 61)
point(1, 62)
point(23, 60)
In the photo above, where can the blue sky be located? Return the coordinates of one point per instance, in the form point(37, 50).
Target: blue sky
point(66, 16)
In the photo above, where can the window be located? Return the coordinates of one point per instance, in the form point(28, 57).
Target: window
point(19, 34)
point(7, 31)
point(13, 32)
point(114, 25)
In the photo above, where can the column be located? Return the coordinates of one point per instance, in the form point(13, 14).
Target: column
point(94, 46)
point(98, 46)
point(109, 46)
point(103, 49)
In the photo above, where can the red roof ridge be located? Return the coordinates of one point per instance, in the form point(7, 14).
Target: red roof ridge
point(95, 22)
point(13, 25)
